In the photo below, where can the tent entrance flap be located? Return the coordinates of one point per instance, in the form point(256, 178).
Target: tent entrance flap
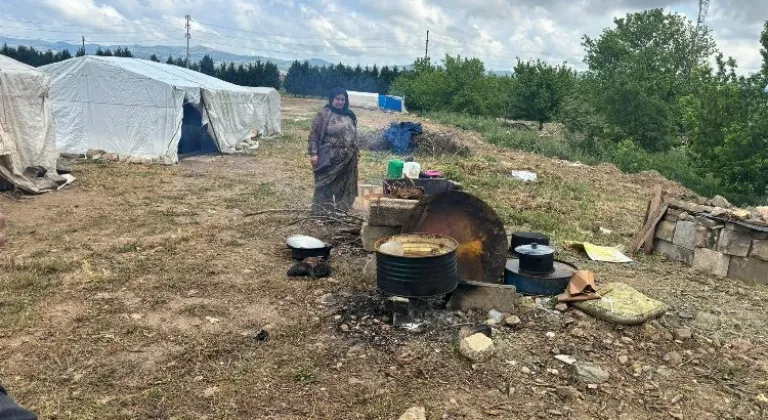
point(195, 139)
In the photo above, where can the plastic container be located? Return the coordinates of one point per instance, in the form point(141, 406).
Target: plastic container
point(411, 170)
point(395, 169)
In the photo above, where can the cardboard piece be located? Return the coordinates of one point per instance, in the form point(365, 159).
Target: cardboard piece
point(580, 288)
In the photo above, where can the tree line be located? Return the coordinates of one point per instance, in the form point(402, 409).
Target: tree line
point(656, 94)
point(250, 74)
point(304, 79)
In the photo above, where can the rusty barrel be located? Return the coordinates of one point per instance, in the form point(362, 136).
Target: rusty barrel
point(416, 265)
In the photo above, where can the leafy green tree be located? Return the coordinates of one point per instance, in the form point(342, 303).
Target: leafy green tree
point(540, 90)
point(640, 68)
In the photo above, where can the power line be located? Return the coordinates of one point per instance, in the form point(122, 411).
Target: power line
point(291, 44)
point(291, 36)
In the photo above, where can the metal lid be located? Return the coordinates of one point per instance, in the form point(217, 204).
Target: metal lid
point(534, 249)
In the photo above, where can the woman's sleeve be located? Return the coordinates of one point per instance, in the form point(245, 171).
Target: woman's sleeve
point(316, 133)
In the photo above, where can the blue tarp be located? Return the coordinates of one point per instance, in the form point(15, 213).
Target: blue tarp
point(391, 103)
point(399, 135)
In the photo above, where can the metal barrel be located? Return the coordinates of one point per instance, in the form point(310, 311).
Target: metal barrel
point(418, 276)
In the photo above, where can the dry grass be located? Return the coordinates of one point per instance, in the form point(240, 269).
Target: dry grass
point(134, 294)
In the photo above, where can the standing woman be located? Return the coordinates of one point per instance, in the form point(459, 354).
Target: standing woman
point(334, 152)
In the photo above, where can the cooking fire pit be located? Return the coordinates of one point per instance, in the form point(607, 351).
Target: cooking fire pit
point(416, 265)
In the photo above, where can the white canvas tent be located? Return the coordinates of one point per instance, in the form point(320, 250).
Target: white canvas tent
point(365, 100)
point(26, 125)
point(135, 107)
point(268, 117)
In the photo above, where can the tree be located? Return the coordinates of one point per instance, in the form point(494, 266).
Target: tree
point(207, 65)
point(80, 52)
point(170, 60)
point(640, 68)
point(154, 58)
point(540, 90)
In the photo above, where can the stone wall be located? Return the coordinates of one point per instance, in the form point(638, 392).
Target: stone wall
point(716, 246)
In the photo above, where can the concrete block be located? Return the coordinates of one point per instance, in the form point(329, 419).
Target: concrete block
point(665, 230)
point(735, 240)
point(706, 238)
point(483, 297)
point(711, 262)
point(759, 249)
point(673, 252)
point(750, 270)
point(370, 234)
point(685, 234)
point(390, 211)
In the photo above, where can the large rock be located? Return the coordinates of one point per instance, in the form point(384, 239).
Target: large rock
point(759, 249)
point(414, 413)
point(673, 252)
point(483, 297)
point(665, 230)
point(390, 211)
point(708, 223)
point(720, 201)
point(370, 234)
point(685, 235)
point(763, 212)
point(711, 262)
point(590, 373)
point(477, 347)
point(750, 270)
point(735, 240)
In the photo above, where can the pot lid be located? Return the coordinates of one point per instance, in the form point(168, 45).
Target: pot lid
point(304, 242)
point(534, 249)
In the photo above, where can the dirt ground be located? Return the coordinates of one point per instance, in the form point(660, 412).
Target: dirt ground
point(137, 293)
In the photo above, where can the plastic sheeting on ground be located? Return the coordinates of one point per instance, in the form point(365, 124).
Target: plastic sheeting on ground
point(133, 107)
point(26, 124)
point(399, 135)
point(365, 100)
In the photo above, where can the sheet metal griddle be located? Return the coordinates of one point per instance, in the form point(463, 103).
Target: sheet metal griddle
point(473, 224)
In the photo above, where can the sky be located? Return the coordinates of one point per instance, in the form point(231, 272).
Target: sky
point(373, 31)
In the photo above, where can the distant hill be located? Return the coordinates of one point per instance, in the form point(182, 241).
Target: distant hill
point(163, 51)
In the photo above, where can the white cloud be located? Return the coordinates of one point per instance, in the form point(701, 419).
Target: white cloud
point(380, 31)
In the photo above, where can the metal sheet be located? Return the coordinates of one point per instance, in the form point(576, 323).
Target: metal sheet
point(473, 224)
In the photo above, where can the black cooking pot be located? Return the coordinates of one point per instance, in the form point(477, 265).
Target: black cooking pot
point(527, 238)
point(536, 259)
point(303, 247)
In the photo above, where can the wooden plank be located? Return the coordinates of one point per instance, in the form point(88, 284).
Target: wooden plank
point(648, 229)
point(653, 205)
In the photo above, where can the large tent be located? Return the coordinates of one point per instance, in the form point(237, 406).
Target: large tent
point(27, 146)
point(268, 118)
point(143, 109)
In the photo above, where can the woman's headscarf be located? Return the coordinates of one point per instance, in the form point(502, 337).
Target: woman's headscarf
point(344, 111)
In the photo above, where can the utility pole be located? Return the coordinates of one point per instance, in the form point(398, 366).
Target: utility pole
point(188, 36)
point(83, 44)
point(426, 49)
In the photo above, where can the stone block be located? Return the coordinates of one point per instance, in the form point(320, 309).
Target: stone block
point(711, 262)
point(759, 249)
point(750, 270)
point(685, 234)
point(673, 252)
point(477, 348)
point(370, 234)
point(483, 297)
point(390, 211)
point(706, 238)
point(672, 215)
point(735, 240)
point(708, 223)
point(665, 230)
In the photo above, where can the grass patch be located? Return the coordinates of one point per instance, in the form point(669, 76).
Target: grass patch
point(675, 164)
